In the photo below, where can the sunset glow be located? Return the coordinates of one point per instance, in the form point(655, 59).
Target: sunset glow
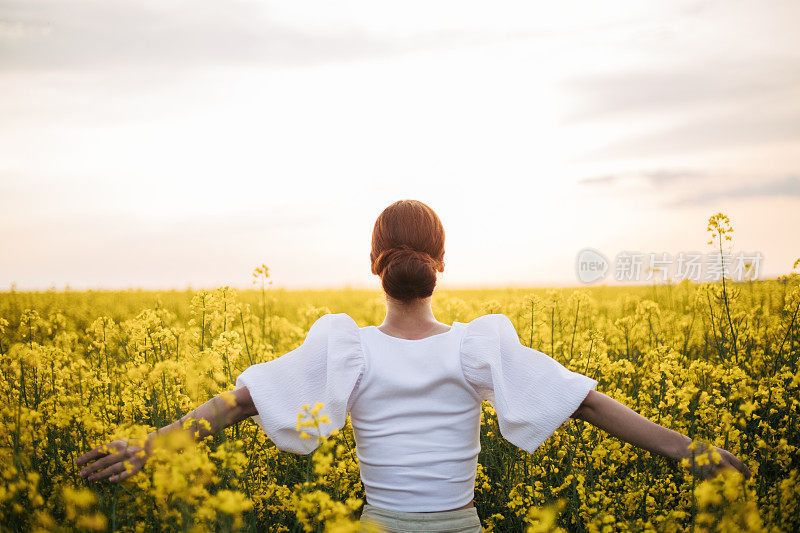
point(159, 145)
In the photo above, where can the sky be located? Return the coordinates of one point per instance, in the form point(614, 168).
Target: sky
point(168, 144)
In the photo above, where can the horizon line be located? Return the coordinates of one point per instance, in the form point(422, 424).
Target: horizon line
point(354, 287)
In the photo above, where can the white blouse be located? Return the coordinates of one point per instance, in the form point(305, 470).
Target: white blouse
point(415, 404)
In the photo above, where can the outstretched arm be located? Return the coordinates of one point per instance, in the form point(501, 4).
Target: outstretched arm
point(108, 461)
point(628, 425)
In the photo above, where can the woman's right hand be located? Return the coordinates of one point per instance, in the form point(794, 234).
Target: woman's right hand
point(706, 464)
point(109, 461)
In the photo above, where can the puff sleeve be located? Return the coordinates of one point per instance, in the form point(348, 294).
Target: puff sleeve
point(326, 368)
point(532, 393)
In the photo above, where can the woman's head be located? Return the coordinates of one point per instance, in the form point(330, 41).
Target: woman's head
point(408, 250)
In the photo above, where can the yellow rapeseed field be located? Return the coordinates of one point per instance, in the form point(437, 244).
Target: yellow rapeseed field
point(80, 368)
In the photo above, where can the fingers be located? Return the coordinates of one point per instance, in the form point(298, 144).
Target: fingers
point(739, 465)
point(731, 461)
point(709, 469)
point(122, 476)
point(110, 461)
point(89, 456)
point(735, 463)
point(746, 471)
point(130, 468)
point(101, 451)
point(106, 461)
point(109, 454)
point(727, 461)
point(108, 472)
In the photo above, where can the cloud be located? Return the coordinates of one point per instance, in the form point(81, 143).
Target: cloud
point(41, 34)
point(788, 187)
point(701, 132)
point(599, 180)
point(10, 31)
point(693, 84)
point(656, 177)
point(701, 104)
point(97, 34)
point(661, 176)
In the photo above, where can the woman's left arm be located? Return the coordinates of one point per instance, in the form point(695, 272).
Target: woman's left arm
point(108, 461)
point(626, 424)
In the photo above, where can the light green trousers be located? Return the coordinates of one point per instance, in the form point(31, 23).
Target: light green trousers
point(459, 521)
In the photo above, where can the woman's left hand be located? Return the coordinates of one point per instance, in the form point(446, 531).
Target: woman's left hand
point(115, 461)
point(713, 465)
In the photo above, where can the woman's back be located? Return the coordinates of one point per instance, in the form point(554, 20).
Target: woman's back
point(415, 404)
point(416, 421)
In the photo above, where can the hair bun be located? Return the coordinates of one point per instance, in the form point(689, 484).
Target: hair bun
point(407, 273)
point(407, 250)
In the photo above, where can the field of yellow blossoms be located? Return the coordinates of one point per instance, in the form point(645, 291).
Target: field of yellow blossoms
point(80, 368)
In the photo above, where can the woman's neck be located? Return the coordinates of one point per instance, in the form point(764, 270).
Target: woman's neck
point(411, 320)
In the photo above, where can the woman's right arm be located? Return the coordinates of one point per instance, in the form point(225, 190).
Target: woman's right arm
point(108, 460)
point(628, 425)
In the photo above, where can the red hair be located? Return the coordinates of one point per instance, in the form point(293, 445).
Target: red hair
point(408, 249)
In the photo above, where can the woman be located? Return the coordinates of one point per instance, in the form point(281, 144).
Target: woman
point(413, 387)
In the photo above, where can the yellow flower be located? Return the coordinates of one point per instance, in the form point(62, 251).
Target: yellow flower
point(229, 398)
